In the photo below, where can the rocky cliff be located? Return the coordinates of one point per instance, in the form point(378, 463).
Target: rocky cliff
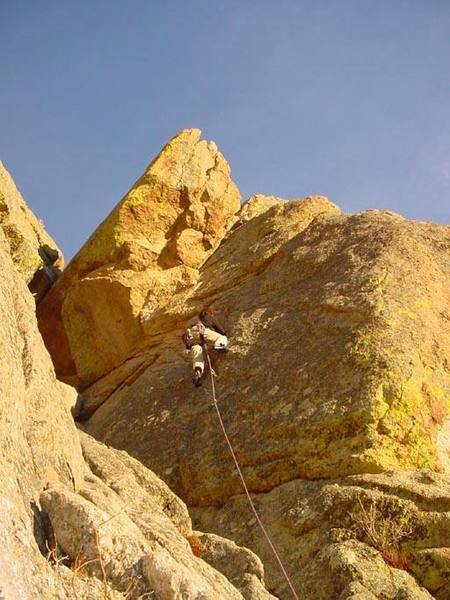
point(335, 390)
point(149, 247)
point(78, 519)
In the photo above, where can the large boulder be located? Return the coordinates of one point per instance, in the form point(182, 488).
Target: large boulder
point(149, 247)
point(132, 533)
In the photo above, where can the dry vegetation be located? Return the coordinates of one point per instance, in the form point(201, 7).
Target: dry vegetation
point(384, 528)
point(129, 583)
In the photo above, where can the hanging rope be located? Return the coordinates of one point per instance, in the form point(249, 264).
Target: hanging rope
point(249, 498)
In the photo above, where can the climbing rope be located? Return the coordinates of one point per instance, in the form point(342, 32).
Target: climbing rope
point(249, 498)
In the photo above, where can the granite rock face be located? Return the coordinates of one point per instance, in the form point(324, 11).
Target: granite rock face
point(335, 390)
point(38, 439)
point(78, 519)
point(148, 248)
point(339, 333)
point(379, 536)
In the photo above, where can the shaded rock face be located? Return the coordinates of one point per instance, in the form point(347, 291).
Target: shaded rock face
point(149, 247)
point(78, 519)
point(335, 389)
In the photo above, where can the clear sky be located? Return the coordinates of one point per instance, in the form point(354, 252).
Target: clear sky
point(345, 98)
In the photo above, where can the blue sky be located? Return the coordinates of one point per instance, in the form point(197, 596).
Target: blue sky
point(348, 98)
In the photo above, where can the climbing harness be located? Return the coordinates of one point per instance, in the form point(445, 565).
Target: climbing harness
point(238, 468)
point(186, 338)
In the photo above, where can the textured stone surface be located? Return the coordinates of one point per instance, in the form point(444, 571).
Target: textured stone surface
point(123, 514)
point(38, 439)
point(241, 566)
point(335, 394)
point(125, 547)
point(149, 247)
point(79, 520)
point(338, 361)
point(338, 365)
point(24, 233)
point(381, 536)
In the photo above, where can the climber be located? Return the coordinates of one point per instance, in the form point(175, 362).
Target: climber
point(206, 331)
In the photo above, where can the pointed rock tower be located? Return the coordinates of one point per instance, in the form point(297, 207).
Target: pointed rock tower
point(150, 245)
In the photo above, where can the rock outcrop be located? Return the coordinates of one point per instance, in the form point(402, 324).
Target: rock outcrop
point(78, 519)
point(335, 390)
point(379, 536)
point(38, 439)
point(148, 248)
point(36, 256)
point(339, 347)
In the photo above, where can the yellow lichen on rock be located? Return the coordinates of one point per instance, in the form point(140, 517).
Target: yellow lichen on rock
point(325, 375)
point(186, 191)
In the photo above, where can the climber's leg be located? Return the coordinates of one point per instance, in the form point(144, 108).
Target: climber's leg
point(197, 357)
point(198, 363)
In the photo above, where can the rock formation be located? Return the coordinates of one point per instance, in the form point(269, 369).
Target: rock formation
point(35, 254)
point(148, 248)
point(79, 520)
point(335, 390)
